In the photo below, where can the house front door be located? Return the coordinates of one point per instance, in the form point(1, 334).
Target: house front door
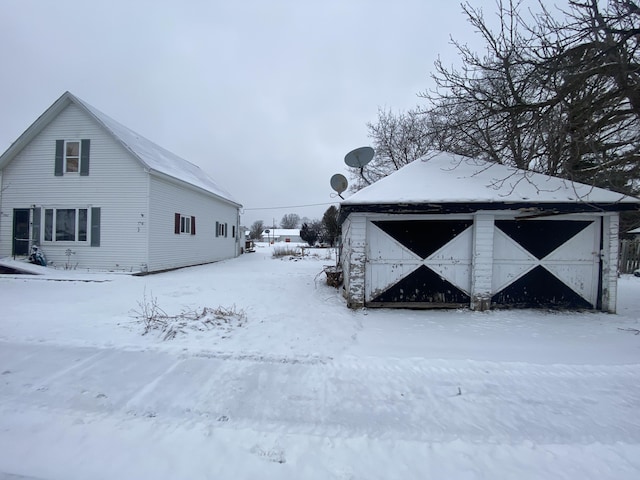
point(21, 231)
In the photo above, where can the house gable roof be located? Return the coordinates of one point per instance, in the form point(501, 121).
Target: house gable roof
point(154, 158)
point(448, 179)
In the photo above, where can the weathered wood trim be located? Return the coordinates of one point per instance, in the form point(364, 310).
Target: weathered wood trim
point(482, 261)
point(609, 256)
point(417, 305)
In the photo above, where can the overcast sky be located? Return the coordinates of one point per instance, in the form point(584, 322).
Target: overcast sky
point(266, 96)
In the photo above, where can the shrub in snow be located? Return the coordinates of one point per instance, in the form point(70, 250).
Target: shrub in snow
point(155, 318)
point(285, 252)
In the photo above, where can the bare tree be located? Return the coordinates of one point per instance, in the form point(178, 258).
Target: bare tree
point(557, 96)
point(398, 139)
point(255, 232)
point(290, 220)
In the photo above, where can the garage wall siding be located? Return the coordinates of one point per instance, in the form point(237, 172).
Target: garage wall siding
point(354, 259)
point(482, 257)
point(610, 246)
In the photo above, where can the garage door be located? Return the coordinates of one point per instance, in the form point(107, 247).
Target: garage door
point(546, 263)
point(419, 263)
point(552, 263)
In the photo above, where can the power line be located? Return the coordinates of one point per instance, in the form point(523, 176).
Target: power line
point(290, 206)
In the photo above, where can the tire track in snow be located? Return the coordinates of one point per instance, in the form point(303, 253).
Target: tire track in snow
point(410, 399)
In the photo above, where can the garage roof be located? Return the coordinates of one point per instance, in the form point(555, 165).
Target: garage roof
point(446, 178)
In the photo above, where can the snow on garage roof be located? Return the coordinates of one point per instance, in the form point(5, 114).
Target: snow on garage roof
point(449, 178)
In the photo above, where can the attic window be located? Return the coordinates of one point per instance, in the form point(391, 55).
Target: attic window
point(71, 157)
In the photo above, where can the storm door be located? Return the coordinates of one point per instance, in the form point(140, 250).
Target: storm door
point(20, 231)
point(546, 263)
point(419, 263)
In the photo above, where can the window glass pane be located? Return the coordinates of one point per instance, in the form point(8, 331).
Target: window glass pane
point(65, 224)
point(187, 225)
point(72, 165)
point(82, 225)
point(73, 149)
point(72, 157)
point(48, 224)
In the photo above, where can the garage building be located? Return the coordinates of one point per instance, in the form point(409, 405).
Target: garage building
point(449, 231)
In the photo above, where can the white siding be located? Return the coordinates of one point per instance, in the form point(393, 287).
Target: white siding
point(609, 255)
point(354, 258)
point(482, 268)
point(116, 183)
point(170, 250)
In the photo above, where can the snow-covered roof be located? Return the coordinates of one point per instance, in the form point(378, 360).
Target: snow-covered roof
point(281, 232)
point(155, 158)
point(635, 231)
point(449, 178)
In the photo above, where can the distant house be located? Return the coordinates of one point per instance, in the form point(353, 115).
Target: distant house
point(93, 194)
point(288, 235)
point(451, 231)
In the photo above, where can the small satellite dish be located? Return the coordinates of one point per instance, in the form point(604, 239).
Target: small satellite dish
point(359, 157)
point(339, 183)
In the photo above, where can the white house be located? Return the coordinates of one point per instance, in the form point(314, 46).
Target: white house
point(288, 235)
point(451, 232)
point(95, 195)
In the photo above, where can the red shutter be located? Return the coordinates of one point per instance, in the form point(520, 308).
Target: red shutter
point(193, 225)
point(177, 223)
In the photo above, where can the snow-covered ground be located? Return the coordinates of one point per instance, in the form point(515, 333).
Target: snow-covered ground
point(302, 387)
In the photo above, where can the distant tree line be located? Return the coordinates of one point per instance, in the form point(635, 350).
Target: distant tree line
point(556, 93)
point(325, 230)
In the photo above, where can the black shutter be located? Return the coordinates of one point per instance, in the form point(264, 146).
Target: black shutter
point(217, 229)
point(95, 226)
point(193, 225)
point(226, 228)
point(35, 226)
point(84, 157)
point(176, 223)
point(59, 158)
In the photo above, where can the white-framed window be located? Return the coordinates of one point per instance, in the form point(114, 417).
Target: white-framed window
point(221, 229)
point(72, 156)
point(184, 224)
point(66, 224)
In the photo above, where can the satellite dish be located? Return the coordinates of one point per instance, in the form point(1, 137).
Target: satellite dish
point(359, 157)
point(339, 183)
